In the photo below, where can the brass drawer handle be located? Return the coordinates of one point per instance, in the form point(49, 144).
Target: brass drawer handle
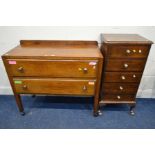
point(20, 69)
point(84, 88)
point(24, 87)
point(123, 77)
point(120, 87)
point(126, 65)
point(118, 97)
point(85, 70)
point(134, 51)
point(134, 76)
point(140, 51)
point(128, 51)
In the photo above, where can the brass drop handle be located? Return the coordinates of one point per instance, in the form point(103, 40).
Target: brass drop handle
point(118, 97)
point(20, 69)
point(123, 77)
point(128, 51)
point(85, 70)
point(134, 51)
point(126, 65)
point(134, 76)
point(24, 87)
point(140, 51)
point(121, 88)
point(84, 88)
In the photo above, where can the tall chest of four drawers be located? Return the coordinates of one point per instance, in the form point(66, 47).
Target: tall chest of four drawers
point(125, 58)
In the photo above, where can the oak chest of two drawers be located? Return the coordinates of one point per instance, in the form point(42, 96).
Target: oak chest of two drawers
point(55, 67)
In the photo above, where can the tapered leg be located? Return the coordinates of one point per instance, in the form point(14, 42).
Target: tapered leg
point(96, 107)
point(132, 107)
point(97, 110)
point(19, 104)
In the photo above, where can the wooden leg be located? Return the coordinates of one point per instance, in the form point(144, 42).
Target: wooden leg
point(19, 104)
point(96, 106)
point(97, 110)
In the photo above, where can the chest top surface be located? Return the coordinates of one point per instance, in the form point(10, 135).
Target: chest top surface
point(55, 49)
point(124, 39)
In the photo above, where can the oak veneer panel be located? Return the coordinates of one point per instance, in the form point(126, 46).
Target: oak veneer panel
point(53, 68)
point(55, 86)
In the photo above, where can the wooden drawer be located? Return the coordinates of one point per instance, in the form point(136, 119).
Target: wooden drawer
point(122, 77)
point(52, 68)
point(129, 51)
point(54, 86)
point(125, 65)
point(120, 88)
point(117, 98)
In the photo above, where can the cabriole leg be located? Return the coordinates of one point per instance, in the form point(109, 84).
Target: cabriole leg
point(132, 107)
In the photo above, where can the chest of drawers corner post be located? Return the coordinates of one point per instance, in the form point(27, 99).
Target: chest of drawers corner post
point(125, 56)
point(55, 68)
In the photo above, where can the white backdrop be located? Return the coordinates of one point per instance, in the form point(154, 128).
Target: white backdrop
point(10, 36)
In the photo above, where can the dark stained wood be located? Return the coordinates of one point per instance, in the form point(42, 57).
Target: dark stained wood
point(113, 99)
point(125, 56)
point(55, 68)
point(128, 51)
point(124, 39)
point(55, 86)
point(119, 65)
point(120, 88)
point(122, 77)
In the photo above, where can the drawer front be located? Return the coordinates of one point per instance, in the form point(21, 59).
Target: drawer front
point(120, 88)
point(54, 86)
point(122, 77)
point(53, 68)
point(129, 51)
point(118, 98)
point(125, 65)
